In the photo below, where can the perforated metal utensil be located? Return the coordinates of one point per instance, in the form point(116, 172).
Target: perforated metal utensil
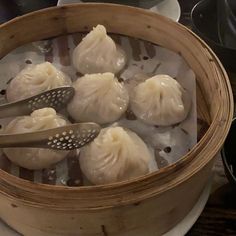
point(63, 138)
point(56, 98)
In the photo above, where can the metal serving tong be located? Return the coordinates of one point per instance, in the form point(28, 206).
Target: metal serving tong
point(62, 138)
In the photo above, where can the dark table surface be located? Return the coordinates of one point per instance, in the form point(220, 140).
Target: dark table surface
point(219, 215)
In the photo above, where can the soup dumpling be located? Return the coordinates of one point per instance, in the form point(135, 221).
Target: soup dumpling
point(160, 100)
point(35, 79)
point(98, 98)
point(98, 53)
point(116, 154)
point(35, 158)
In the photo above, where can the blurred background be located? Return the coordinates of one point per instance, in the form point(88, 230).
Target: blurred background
point(13, 8)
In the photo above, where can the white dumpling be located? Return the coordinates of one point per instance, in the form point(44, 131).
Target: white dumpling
point(35, 79)
point(98, 98)
point(98, 53)
point(35, 158)
point(160, 100)
point(117, 154)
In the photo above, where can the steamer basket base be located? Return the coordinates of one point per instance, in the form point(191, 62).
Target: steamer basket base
point(179, 230)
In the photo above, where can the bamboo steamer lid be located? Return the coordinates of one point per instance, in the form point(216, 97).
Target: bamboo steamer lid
point(148, 205)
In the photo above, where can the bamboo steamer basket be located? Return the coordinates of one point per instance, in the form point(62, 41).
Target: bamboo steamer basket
point(149, 205)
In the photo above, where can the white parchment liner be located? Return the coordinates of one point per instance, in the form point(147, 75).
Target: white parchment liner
point(167, 144)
